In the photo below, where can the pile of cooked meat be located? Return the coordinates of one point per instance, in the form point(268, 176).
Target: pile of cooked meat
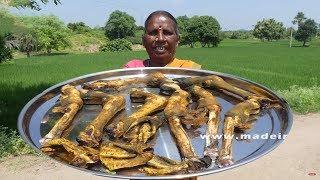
point(130, 140)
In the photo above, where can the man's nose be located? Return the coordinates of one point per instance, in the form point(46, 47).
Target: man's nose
point(160, 36)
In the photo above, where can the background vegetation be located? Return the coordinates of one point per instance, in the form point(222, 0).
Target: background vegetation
point(38, 52)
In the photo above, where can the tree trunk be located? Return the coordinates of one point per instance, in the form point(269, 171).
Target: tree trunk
point(28, 54)
point(49, 51)
point(304, 43)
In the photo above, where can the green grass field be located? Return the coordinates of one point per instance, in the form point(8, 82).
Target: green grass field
point(292, 72)
point(272, 64)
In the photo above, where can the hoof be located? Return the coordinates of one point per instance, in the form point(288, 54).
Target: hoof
point(212, 153)
point(225, 161)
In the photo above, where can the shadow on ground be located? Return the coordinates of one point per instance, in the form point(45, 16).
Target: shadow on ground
point(13, 98)
point(52, 54)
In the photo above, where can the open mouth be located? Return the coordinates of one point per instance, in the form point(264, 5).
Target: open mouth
point(159, 49)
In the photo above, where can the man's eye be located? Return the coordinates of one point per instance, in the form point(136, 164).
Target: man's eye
point(167, 33)
point(153, 33)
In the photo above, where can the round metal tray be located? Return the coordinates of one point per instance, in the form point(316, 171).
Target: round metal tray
point(34, 121)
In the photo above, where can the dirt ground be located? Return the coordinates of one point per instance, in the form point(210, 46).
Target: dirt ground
point(297, 158)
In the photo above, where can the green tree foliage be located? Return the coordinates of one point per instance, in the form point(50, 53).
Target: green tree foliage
point(269, 29)
point(79, 27)
point(239, 34)
point(33, 4)
point(306, 30)
point(50, 32)
point(120, 25)
point(27, 43)
point(117, 45)
point(7, 22)
point(185, 37)
point(183, 22)
point(287, 33)
point(5, 52)
point(140, 28)
point(204, 29)
point(300, 17)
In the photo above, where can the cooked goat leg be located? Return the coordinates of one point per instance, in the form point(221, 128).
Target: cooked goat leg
point(161, 166)
point(70, 152)
point(161, 162)
point(151, 171)
point(174, 111)
point(153, 103)
point(139, 147)
point(208, 104)
point(152, 80)
point(156, 79)
point(92, 134)
point(111, 151)
point(111, 84)
point(239, 116)
point(144, 131)
point(70, 104)
point(155, 124)
point(214, 82)
point(133, 134)
point(93, 97)
point(218, 83)
point(115, 164)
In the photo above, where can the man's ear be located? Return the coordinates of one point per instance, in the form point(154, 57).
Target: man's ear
point(178, 41)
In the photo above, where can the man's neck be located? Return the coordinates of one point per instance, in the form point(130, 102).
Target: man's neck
point(159, 63)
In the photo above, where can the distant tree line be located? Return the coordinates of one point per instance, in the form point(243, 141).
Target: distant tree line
point(47, 33)
point(202, 29)
point(270, 29)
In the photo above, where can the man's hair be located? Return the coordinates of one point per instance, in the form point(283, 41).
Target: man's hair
point(164, 13)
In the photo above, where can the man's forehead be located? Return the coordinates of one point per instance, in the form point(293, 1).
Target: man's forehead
point(162, 21)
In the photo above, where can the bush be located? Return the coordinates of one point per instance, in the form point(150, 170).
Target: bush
point(303, 99)
point(117, 45)
point(135, 40)
point(5, 53)
point(12, 144)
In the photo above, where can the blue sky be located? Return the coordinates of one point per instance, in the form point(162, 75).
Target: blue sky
point(231, 14)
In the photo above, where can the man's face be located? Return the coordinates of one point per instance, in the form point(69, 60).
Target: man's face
point(160, 39)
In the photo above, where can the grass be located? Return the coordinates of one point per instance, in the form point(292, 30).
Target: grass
point(293, 72)
point(303, 99)
point(12, 144)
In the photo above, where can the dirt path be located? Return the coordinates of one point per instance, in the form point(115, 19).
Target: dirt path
point(297, 158)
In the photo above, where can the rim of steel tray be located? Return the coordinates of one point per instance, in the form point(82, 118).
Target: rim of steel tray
point(275, 121)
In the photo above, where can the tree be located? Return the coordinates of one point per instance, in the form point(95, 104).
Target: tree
point(33, 4)
point(5, 52)
point(27, 43)
point(268, 29)
point(300, 18)
point(306, 30)
point(183, 22)
point(117, 45)
point(78, 27)
point(204, 29)
point(50, 32)
point(185, 37)
point(7, 22)
point(120, 25)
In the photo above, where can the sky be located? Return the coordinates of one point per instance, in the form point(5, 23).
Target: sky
point(231, 14)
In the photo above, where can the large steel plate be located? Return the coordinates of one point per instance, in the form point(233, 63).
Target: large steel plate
point(35, 120)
